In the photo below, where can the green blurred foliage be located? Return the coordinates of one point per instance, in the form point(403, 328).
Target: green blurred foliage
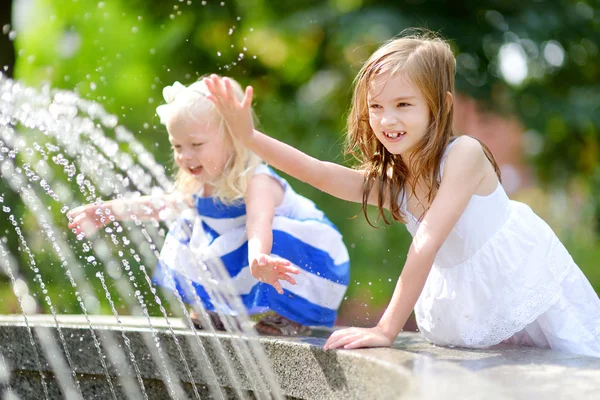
point(301, 56)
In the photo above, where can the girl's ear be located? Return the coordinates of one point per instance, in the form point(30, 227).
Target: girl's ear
point(449, 100)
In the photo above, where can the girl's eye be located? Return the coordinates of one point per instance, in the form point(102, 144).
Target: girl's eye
point(197, 144)
point(176, 148)
point(374, 106)
point(403, 104)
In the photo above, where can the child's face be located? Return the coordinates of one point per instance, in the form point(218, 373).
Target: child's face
point(398, 112)
point(199, 147)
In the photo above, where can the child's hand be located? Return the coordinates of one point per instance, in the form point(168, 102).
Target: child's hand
point(89, 218)
point(237, 115)
point(269, 269)
point(354, 338)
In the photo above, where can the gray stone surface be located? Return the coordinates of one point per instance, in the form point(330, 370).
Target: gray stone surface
point(413, 369)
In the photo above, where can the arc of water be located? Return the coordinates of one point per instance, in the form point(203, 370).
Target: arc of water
point(125, 241)
point(125, 338)
point(123, 135)
point(176, 391)
point(4, 376)
point(117, 360)
point(164, 312)
point(8, 265)
point(168, 370)
point(154, 248)
point(57, 362)
point(207, 325)
point(242, 353)
point(69, 383)
point(216, 272)
point(252, 352)
point(32, 201)
point(255, 348)
point(108, 341)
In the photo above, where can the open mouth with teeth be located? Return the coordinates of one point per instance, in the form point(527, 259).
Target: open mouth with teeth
point(195, 170)
point(394, 134)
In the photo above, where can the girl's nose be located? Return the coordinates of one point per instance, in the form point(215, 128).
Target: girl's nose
point(185, 155)
point(389, 120)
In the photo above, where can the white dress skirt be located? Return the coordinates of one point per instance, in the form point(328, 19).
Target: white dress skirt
point(502, 275)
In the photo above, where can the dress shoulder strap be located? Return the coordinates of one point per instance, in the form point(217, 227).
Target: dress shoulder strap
point(266, 170)
point(448, 147)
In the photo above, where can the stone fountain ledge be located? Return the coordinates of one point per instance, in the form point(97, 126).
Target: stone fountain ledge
point(412, 369)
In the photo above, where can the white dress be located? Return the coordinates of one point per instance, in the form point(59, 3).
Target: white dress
point(502, 275)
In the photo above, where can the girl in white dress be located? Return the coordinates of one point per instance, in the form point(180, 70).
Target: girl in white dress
point(481, 269)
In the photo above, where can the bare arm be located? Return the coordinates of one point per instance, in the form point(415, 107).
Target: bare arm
point(90, 217)
point(334, 179)
point(263, 195)
point(339, 181)
point(464, 171)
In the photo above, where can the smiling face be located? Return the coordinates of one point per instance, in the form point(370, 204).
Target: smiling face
point(398, 113)
point(200, 147)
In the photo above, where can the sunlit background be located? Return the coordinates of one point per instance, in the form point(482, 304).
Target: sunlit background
point(528, 82)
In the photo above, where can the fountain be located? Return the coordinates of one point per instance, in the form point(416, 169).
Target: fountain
point(126, 338)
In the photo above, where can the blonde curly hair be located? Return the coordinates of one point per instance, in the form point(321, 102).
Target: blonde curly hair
point(192, 102)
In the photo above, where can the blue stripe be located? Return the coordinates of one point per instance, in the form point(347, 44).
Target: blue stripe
point(214, 208)
point(301, 254)
point(289, 305)
point(210, 232)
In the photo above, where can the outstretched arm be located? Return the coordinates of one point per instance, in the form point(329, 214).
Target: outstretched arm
point(344, 183)
point(91, 217)
point(464, 171)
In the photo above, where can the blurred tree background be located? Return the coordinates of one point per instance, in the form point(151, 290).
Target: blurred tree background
point(537, 61)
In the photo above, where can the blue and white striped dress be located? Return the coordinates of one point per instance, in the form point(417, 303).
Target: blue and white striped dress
point(302, 234)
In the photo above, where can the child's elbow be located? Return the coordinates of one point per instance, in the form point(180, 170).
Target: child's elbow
point(426, 246)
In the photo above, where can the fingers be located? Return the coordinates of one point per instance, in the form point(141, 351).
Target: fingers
point(280, 264)
point(342, 338)
point(229, 89)
point(219, 87)
point(278, 287)
point(357, 343)
point(287, 278)
point(248, 94)
point(221, 91)
point(288, 269)
point(262, 260)
point(75, 220)
point(213, 85)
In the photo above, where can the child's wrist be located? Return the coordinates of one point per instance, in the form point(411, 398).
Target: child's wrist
point(387, 331)
point(250, 139)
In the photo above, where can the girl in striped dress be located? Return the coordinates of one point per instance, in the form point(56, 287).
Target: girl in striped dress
point(281, 251)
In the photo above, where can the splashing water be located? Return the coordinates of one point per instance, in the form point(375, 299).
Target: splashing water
point(54, 148)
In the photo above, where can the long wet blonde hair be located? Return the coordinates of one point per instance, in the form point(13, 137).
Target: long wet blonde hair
point(192, 102)
point(427, 60)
